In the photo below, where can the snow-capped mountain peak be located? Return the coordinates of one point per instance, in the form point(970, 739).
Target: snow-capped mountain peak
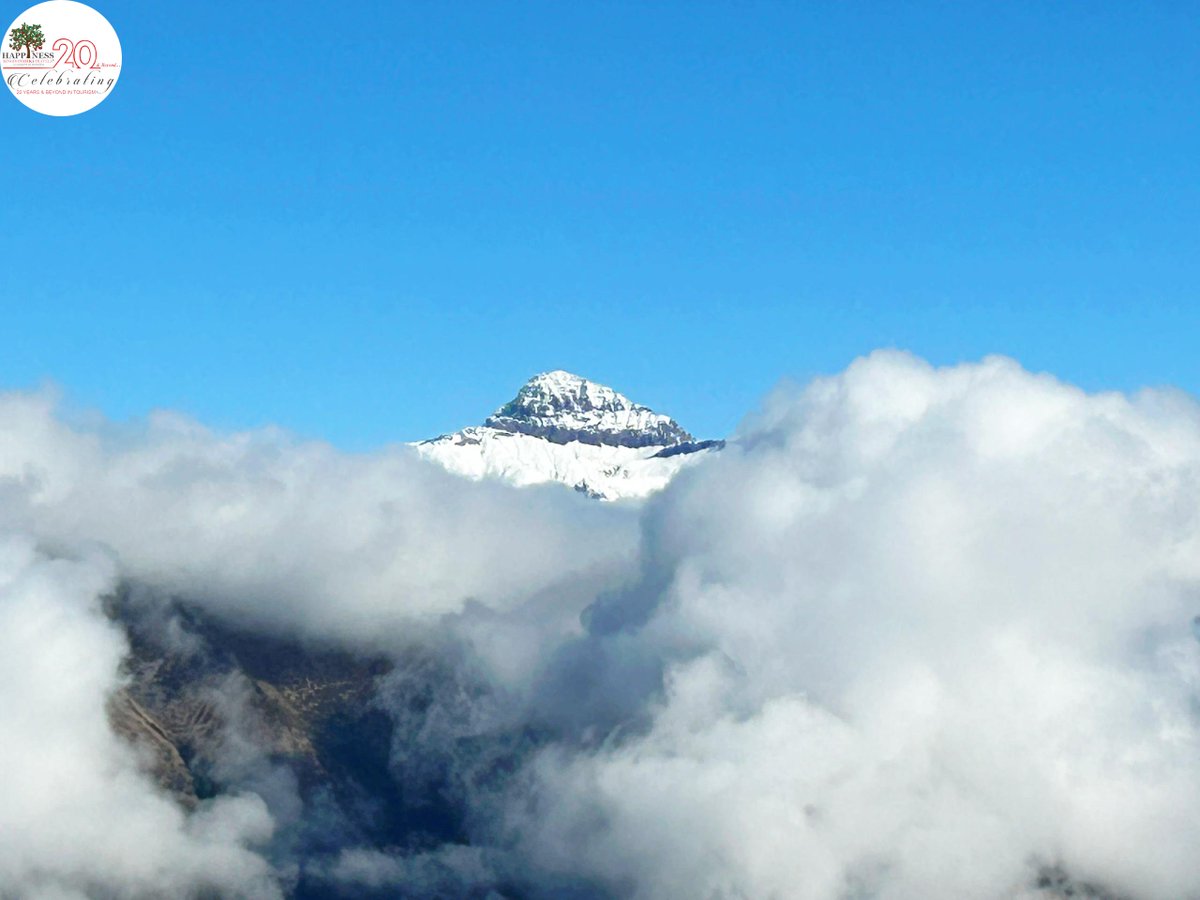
point(561, 427)
point(562, 407)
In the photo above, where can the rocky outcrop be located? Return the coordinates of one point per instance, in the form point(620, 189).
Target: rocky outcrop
point(561, 407)
point(197, 690)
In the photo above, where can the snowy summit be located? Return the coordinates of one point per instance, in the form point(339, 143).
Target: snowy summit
point(562, 407)
point(561, 427)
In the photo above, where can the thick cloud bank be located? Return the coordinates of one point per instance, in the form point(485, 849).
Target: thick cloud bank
point(914, 633)
point(925, 632)
point(292, 535)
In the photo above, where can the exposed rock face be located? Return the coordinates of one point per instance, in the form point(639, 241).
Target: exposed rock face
point(214, 709)
point(159, 751)
point(688, 447)
point(561, 407)
point(348, 751)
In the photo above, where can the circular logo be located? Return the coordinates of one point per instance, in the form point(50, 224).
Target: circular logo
point(60, 58)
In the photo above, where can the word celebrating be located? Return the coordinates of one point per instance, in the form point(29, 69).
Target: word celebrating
point(25, 80)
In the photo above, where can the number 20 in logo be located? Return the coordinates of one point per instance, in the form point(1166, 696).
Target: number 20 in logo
point(73, 54)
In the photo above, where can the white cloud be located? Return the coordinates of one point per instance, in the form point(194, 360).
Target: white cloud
point(916, 632)
point(296, 536)
point(945, 627)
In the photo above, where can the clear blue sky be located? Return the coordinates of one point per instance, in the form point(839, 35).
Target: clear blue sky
point(372, 221)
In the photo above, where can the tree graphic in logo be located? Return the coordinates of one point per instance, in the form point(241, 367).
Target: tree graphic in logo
point(27, 38)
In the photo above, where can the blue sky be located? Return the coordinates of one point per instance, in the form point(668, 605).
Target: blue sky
point(370, 222)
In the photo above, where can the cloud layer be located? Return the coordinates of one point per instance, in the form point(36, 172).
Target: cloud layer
point(293, 536)
point(925, 633)
point(915, 632)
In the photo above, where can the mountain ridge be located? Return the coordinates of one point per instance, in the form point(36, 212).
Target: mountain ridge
point(561, 427)
point(562, 407)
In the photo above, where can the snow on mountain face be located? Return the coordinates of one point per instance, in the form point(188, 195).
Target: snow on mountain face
point(562, 407)
point(564, 428)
